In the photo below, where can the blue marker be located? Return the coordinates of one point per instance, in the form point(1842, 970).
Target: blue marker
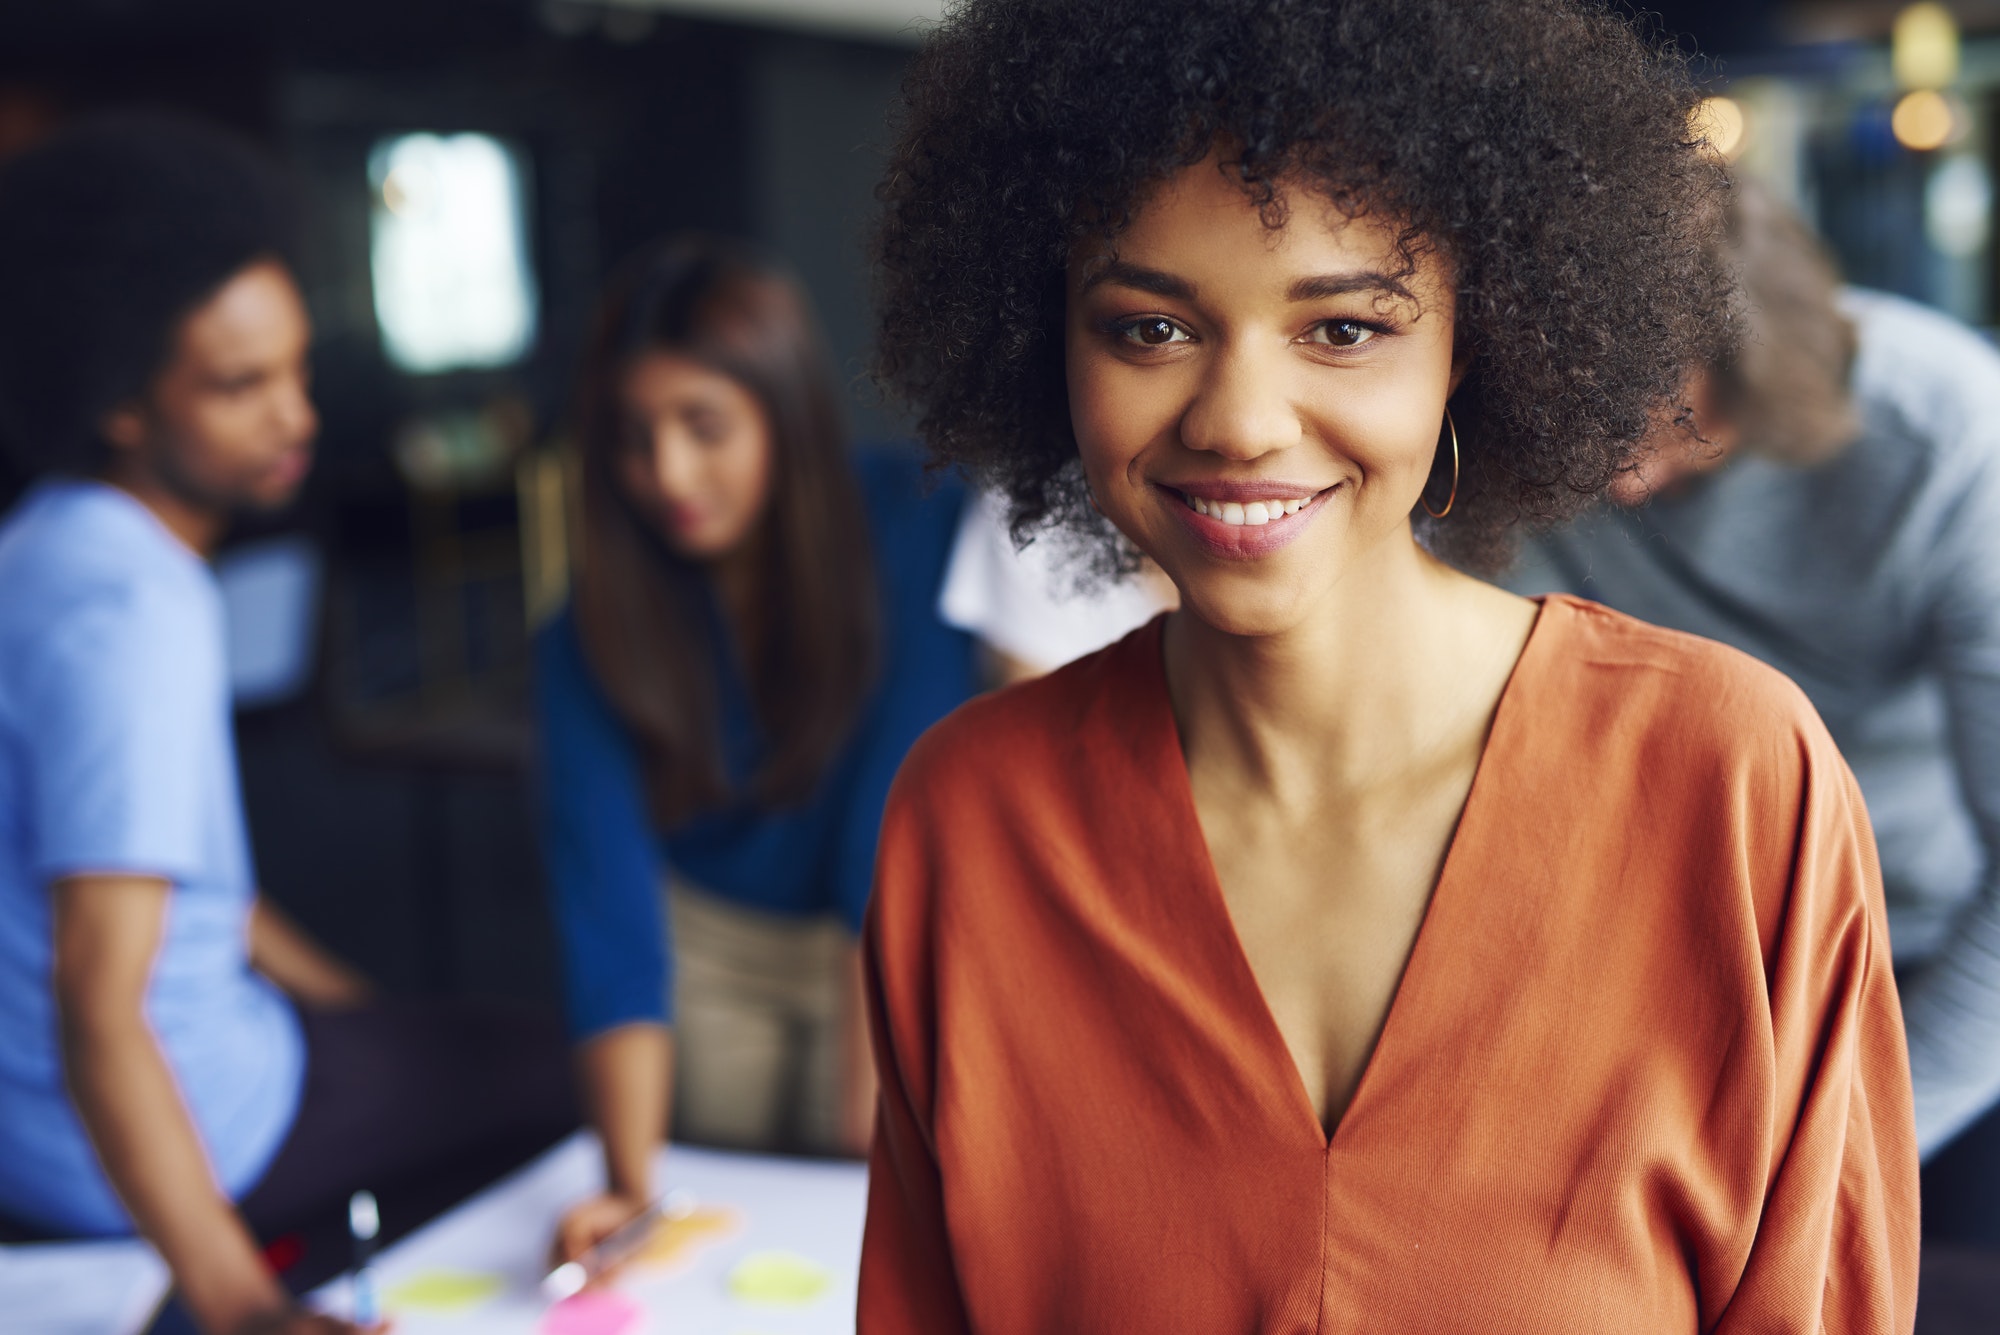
point(364, 1221)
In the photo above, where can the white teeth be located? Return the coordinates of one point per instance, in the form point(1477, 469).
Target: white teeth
point(1253, 513)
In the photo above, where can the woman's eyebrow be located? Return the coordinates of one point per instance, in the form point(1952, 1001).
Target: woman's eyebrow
point(1321, 286)
point(1317, 287)
point(1144, 280)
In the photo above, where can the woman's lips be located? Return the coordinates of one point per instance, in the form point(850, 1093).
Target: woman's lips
point(1245, 520)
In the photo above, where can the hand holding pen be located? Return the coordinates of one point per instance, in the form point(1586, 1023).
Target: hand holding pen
point(614, 1246)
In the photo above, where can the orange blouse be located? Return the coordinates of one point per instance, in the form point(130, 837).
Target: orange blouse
point(1644, 1071)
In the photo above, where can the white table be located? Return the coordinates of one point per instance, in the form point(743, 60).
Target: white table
point(80, 1288)
point(807, 1207)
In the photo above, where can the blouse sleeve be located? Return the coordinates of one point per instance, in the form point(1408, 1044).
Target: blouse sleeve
point(909, 1282)
point(1836, 1248)
point(602, 857)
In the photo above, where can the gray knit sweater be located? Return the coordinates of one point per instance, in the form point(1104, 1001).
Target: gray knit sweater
point(1874, 582)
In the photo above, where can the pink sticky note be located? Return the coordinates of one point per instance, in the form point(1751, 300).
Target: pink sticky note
point(598, 1312)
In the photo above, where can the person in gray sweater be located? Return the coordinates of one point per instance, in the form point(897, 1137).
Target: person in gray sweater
point(1838, 516)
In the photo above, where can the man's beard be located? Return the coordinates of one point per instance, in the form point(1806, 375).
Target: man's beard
point(196, 494)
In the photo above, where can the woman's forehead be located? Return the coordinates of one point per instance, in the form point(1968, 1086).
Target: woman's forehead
point(1203, 227)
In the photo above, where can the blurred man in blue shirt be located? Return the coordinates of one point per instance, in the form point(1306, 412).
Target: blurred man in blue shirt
point(170, 1046)
point(1839, 518)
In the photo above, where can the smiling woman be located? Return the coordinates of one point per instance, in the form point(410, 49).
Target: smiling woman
point(1359, 946)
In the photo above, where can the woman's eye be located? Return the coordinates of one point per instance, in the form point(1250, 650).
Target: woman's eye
point(1340, 333)
point(1153, 331)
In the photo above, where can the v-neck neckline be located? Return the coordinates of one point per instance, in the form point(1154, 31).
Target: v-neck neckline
point(1499, 737)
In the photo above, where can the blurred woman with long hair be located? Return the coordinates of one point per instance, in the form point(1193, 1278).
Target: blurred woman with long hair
point(749, 650)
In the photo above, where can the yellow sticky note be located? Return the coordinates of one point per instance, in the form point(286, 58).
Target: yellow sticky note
point(675, 1241)
point(443, 1291)
point(778, 1279)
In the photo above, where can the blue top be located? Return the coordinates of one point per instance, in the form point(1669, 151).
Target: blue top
point(1872, 580)
point(116, 755)
point(605, 859)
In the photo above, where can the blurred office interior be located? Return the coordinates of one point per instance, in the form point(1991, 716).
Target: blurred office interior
point(468, 170)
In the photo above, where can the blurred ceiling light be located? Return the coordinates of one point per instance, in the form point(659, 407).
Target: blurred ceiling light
point(448, 252)
point(896, 20)
point(1926, 120)
point(1721, 123)
point(1958, 206)
point(1923, 47)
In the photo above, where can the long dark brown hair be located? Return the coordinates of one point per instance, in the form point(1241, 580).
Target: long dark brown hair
point(642, 609)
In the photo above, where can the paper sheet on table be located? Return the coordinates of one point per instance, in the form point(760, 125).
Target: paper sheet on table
point(746, 1205)
point(80, 1288)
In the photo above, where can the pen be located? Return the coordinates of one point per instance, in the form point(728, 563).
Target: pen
point(364, 1221)
point(616, 1247)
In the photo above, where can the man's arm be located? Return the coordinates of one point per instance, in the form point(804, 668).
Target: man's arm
point(283, 953)
point(1951, 1004)
point(107, 934)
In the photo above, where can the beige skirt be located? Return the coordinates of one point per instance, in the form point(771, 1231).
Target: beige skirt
point(757, 1025)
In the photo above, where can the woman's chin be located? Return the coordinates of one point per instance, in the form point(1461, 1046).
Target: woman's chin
point(1245, 608)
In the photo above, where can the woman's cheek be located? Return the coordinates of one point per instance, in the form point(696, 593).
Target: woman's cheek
point(1115, 411)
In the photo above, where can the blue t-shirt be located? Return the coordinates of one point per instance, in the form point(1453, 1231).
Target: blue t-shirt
point(116, 755)
point(605, 859)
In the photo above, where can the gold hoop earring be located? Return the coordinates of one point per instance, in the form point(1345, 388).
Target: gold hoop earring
point(1452, 427)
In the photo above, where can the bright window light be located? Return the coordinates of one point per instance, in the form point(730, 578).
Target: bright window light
point(449, 252)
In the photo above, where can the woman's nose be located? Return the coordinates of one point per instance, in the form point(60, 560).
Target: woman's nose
point(1244, 408)
point(672, 460)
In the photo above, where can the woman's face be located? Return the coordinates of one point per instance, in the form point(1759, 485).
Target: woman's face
point(1257, 410)
point(694, 453)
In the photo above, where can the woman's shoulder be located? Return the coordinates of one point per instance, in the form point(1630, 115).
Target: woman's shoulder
point(913, 516)
point(557, 644)
point(1691, 776)
point(1039, 736)
point(898, 487)
point(1666, 692)
point(563, 680)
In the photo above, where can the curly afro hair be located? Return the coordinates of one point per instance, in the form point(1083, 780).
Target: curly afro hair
point(110, 234)
point(1542, 147)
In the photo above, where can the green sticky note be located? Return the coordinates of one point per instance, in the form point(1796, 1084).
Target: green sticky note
point(778, 1279)
point(442, 1291)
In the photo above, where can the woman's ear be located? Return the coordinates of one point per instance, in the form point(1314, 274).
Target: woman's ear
point(1461, 362)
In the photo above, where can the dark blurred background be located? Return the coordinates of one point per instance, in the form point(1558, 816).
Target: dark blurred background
point(468, 169)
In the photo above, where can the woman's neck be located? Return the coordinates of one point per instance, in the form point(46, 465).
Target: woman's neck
point(1400, 663)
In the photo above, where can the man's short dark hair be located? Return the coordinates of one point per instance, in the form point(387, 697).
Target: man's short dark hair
point(111, 233)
